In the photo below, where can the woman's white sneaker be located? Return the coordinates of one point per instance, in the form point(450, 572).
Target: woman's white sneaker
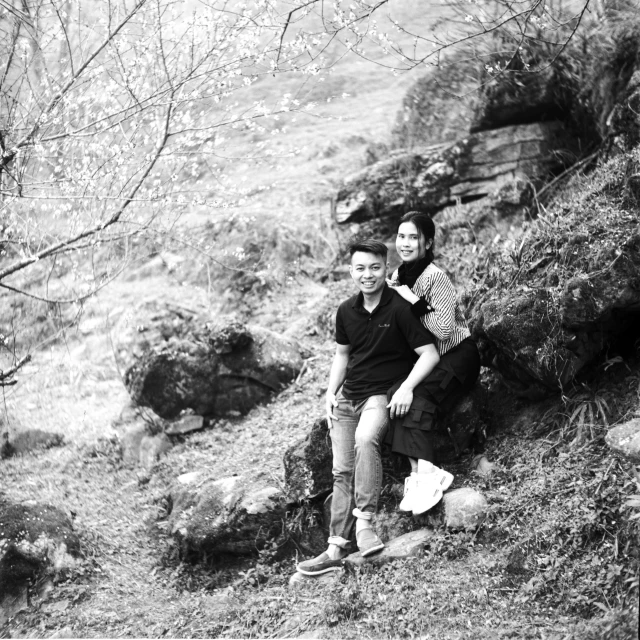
point(444, 477)
point(409, 493)
point(427, 494)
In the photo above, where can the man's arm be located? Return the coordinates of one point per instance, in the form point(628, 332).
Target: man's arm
point(425, 364)
point(336, 377)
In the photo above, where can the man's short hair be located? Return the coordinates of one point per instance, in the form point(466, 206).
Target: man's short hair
point(369, 246)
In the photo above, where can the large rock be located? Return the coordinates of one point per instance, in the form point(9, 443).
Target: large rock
point(227, 516)
point(35, 540)
point(475, 166)
point(211, 369)
point(573, 289)
point(308, 464)
point(625, 440)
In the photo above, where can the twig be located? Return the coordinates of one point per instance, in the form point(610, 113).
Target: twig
point(10, 372)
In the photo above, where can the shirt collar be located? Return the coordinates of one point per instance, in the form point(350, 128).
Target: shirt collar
point(385, 298)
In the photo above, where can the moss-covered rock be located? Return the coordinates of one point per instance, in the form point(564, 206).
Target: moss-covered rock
point(34, 540)
point(547, 310)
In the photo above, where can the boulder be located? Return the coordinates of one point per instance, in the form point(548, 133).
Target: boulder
point(625, 440)
point(210, 369)
point(227, 516)
point(409, 545)
point(430, 178)
point(308, 464)
point(35, 540)
point(464, 508)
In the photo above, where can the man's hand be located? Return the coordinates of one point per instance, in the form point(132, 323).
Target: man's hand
point(400, 403)
point(331, 402)
point(404, 291)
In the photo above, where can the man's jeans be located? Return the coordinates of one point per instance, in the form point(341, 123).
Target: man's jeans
point(357, 466)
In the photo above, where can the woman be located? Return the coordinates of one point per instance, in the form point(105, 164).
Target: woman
point(434, 301)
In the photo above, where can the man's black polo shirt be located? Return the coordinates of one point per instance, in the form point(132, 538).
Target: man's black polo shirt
point(382, 343)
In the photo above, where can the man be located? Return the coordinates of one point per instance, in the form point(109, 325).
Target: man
point(376, 336)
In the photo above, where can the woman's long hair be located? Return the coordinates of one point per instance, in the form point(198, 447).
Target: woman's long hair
point(424, 224)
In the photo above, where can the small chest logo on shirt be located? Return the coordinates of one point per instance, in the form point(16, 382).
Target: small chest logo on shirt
point(384, 326)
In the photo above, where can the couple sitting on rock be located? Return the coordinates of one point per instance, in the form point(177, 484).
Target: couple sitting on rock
point(377, 388)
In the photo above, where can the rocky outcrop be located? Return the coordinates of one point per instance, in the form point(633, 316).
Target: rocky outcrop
point(35, 540)
point(211, 369)
point(227, 516)
point(429, 179)
point(545, 313)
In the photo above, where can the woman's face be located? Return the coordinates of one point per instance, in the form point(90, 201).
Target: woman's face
point(410, 243)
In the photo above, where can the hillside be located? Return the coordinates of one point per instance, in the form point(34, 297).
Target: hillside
point(558, 554)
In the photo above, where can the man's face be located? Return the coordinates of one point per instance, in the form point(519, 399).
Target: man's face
point(368, 271)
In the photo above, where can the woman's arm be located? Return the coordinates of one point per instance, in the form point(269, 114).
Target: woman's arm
point(440, 296)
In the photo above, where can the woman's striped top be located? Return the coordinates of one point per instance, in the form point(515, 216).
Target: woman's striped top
point(445, 319)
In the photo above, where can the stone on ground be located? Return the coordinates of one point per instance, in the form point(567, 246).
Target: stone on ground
point(185, 424)
point(300, 580)
point(464, 508)
point(625, 440)
point(227, 516)
point(407, 546)
point(482, 466)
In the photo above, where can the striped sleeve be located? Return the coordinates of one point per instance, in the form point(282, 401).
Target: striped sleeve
point(440, 294)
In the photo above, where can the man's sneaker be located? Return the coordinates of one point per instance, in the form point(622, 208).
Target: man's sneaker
point(409, 493)
point(368, 542)
point(321, 564)
point(428, 493)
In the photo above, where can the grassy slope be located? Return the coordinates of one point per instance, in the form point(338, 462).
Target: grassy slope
point(505, 582)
